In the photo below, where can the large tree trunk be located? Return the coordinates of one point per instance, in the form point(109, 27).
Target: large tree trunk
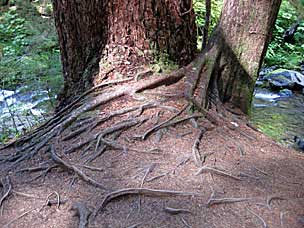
point(230, 64)
point(124, 31)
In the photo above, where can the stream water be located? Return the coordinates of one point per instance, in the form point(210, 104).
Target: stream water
point(278, 115)
point(21, 110)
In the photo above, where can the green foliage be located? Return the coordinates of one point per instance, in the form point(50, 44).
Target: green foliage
point(29, 56)
point(29, 50)
point(12, 33)
point(284, 54)
point(200, 12)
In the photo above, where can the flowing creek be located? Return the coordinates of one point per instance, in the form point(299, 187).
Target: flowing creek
point(278, 115)
point(20, 110)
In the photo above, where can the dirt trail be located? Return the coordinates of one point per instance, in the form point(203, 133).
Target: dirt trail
point(186, 172)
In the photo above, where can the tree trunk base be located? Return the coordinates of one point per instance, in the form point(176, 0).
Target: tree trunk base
point(146, 138)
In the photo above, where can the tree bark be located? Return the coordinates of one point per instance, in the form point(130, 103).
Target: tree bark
point(231, 61)
point(207, 22)
point(90, 30)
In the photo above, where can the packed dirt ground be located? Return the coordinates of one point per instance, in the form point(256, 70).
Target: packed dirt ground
point(158, 163)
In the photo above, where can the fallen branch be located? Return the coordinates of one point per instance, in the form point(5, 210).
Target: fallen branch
point(73, 168)
point(138, 191)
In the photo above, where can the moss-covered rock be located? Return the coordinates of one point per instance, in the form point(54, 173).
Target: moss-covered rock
point(282, 78)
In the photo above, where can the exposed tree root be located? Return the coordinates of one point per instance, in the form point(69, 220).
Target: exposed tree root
point(138, 191)
point(271, 198)
point(149, 170)
point(57, 198)
point(83, 212)
point(7, 189)
point(73, 168)
point(185, 222)
point(195, 149)
point(281, 218)
point(213, 201)
point(259, 217)
point(217, 171)
point(33, 169)
point(117, 127)
point(168, 123)
point(40, 137)
point(49, 201)
point(157, 177)
point(176, 211)
point(71, 122)
point(158, 126)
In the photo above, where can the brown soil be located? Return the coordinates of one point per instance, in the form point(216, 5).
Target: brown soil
point(248, 181)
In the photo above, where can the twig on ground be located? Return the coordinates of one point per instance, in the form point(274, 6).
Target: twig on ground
point(213, 201)
point(149, 170)
point(48, 198)
point(185, 222)
point(83, 212)
point(73, 168)
point(27, 195)
point(157, 177)
point(252, 138)
point(175, 211)
point(281, 218)
point(261, 171)
point(216, 171)
point(271, 198)
point(7, 225)
point(138, 191)
point(241, 149)
point(183, 162)
point(259, 217)
point(135, 225)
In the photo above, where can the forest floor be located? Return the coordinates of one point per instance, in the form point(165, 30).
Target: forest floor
point(186, 172)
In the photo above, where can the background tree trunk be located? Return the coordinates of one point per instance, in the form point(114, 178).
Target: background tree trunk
point(90, 30)
point(236, 51)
